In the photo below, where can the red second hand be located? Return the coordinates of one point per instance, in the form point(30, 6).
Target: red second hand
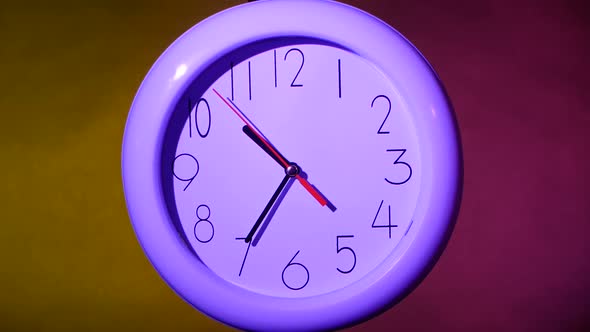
point(311, 189)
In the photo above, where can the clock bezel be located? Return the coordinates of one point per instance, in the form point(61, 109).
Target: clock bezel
point(369, 38)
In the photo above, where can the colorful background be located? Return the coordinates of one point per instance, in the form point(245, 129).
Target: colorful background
point(517, 72)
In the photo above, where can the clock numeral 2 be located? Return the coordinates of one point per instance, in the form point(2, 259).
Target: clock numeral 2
point(389, 226)
point(292, 268)
point(293, 84)
point(380, 131)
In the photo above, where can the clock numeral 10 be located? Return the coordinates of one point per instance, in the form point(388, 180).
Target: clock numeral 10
point(203, 126)
point(291, 274)
point(389, 226)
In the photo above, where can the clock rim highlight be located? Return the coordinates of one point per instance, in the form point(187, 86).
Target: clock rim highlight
point(371, 39)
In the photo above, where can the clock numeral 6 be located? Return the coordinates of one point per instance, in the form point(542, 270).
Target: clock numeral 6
point(185, 168)
point(292, 275)
point(205, 228)
point(404, 164)
point(339, 250)
point(202, 130)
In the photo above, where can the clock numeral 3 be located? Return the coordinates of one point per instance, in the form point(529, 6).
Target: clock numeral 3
point(292, 275)
point(380, 130)
point(341, 249)
point(404, 164)
point(202, 229)
point(185, 168)
point(389, 226)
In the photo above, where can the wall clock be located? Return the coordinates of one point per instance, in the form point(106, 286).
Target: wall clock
point(292, 165)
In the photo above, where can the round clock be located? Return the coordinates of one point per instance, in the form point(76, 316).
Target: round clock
point(292, 165)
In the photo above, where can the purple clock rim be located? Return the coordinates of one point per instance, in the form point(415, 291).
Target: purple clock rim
point(366, 36)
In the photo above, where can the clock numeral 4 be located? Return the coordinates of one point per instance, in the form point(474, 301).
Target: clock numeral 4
point(292, 274)
point(389, 226)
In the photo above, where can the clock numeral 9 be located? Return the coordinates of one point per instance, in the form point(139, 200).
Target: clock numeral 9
point(203, 221)
point(339, 250)
point(185, 168)
point(404, 164)
point(293, 271)
point(202, 130)
point(389, 226)
point(380, 130)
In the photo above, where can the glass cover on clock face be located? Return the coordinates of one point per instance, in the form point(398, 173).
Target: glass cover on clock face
point(351, 136)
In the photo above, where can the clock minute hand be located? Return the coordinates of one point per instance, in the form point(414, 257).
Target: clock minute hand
point(267, 207)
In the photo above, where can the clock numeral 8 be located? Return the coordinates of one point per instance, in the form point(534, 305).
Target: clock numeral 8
point(203, 221)
point(292, 282)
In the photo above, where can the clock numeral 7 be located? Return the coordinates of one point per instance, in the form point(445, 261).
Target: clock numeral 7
point(341, 249)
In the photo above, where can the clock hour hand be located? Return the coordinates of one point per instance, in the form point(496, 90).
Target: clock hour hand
point(263, 146)
point(267, 207)
point(311, 189)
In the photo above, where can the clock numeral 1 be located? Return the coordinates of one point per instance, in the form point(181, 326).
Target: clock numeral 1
point(293, 270)
point(339, 79)
point(203, 220)
point(389, 226)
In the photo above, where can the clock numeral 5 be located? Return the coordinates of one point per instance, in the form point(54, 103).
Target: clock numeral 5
point(185, 168)
point(204, 238)
point(339, 250)
point(202, 130)
point(389, 226)
point(404, 164)
point(294, 281)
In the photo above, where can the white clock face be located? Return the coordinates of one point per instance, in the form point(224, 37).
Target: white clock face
point(344, 124)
